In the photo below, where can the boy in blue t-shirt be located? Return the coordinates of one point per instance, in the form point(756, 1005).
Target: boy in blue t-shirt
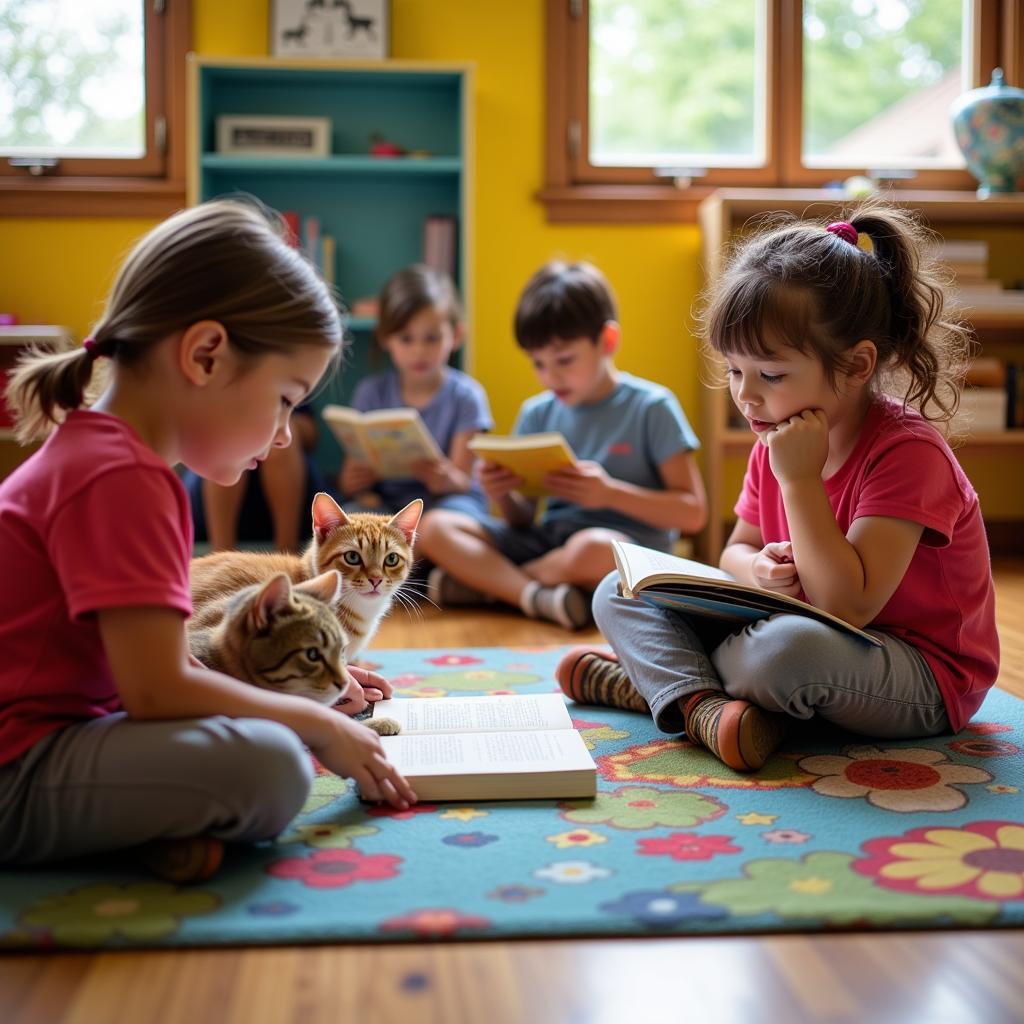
point(636, 480)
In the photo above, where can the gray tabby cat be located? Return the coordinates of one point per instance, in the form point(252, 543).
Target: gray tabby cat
point(280, 636)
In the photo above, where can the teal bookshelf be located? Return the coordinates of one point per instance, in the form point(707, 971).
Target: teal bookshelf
point(374, 207)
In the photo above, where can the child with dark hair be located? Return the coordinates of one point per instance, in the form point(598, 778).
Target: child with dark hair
point(420, 326)
point(636, 480)
point(838, 356)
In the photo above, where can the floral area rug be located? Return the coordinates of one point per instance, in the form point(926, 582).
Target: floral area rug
point(836, 832)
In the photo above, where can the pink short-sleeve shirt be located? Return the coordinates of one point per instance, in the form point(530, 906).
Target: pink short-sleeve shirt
point(93, 520)
point(944, 606)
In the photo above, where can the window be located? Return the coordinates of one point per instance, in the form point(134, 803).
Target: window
point(92, 106)
point(653, 103)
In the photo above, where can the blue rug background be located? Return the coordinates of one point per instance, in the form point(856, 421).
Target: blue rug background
point(835, 832)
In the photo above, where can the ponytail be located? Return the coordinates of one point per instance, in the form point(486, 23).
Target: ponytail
point(43, 386)
point(225, 260)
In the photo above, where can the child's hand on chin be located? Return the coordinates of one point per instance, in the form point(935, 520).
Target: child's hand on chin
point(798, 447)
point(774, 569)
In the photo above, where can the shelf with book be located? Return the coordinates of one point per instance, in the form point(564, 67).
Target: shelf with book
point(995, 312)
point(372, 210)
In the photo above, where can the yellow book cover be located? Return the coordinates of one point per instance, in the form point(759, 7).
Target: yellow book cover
point(531, 456)
point(508, 747)
point(391, 440)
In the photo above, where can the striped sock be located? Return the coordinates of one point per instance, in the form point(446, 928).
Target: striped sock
point(740, 734)
point(591, 675)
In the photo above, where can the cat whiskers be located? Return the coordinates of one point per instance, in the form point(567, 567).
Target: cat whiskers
point(420, 589)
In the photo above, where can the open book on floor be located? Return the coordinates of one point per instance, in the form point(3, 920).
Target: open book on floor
point(508, 747)
point(531, 456)
point(701, 589)
point(391, 440)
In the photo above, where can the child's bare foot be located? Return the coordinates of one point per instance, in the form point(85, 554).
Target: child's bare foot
point(593, 675)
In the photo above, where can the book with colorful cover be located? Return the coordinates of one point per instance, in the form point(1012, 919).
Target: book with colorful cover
point(507, 747)
point(390, 440)
point(531, 456)
point(698, 589)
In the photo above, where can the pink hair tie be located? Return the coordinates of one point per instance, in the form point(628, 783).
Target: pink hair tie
point(90, 346)
point(845, 230)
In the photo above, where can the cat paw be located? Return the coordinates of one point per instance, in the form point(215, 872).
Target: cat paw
point(383, 726)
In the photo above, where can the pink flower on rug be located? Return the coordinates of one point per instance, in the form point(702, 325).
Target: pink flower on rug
point(984, 748)
point(386, 811)
point(333, 869)
point(405, 680)
point(983, 860)
point(687, 846)
point(986, 728)
point(455, 660)
point(434, 922)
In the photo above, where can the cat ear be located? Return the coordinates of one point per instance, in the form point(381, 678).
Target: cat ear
point(326, 587)
point(275, 595)
point(327, 514)
point(408, 519)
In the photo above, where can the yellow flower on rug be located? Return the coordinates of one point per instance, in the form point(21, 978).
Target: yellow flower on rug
point(984, 860)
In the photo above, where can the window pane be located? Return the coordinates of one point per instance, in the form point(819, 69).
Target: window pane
point(676, 82)
point(879, 78)
point(73, 78)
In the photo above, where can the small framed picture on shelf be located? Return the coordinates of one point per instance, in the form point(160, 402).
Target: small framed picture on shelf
point(329, 28)
point(272, 135)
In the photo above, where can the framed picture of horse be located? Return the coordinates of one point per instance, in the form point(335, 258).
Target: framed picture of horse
point(329, 28)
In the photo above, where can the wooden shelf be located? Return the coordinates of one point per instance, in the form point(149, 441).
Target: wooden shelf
point(999, 324)
point(341, 164)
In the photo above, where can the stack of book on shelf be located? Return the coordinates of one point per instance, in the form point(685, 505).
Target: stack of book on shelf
point(440, 243)
point(992, 399)
point(968, 260)
point(304, 232)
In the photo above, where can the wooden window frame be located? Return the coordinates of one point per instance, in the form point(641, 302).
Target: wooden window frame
point(153, 185)
point(575, 190)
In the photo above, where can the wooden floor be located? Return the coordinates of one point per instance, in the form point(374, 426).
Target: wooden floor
point(901, 977)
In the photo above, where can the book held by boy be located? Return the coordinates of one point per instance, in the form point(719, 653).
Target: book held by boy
point(531, 456)
point(508, 747)
point(700, 589)
point(391, 440)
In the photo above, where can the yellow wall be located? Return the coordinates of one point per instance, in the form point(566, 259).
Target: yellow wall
point(59, 270)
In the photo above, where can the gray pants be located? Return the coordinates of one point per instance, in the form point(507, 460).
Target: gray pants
point(110, 782)
point(785, 663)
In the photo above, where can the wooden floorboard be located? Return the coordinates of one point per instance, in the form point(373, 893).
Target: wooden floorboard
point(945, 977)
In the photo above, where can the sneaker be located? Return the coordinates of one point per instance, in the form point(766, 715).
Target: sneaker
point(447, 592)
point(565, 604)
point(593, 675)
point(181, 861)
point(740, 734)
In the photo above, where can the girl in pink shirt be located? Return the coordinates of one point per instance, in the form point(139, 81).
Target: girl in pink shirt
point(852, 501)
point(111, 735)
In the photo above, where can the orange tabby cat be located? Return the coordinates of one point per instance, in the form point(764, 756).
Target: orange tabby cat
point(373, 553)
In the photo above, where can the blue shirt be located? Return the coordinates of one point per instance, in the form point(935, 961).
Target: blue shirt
point(630, 433)
point(460, 405)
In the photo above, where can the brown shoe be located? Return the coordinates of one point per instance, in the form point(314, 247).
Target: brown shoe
point(181, 861)
point(593, 675)
point(740, 734)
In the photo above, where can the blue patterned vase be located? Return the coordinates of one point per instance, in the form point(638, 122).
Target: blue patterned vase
point(989, 126)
